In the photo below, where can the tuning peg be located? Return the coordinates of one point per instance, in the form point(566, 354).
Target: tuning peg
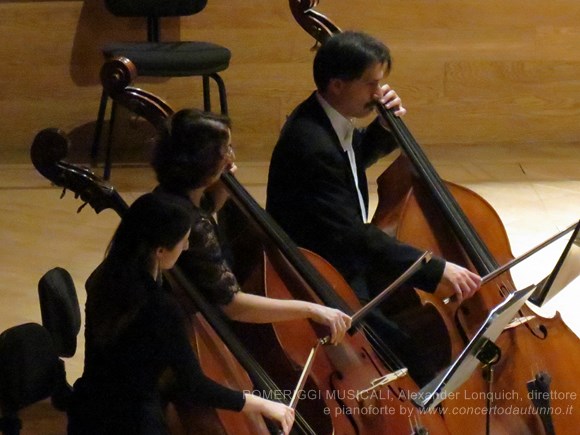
point(81, 207)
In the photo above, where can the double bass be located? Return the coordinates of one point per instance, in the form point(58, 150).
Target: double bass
point(455, 223)
point(222, 357)
point(346, 370)
point(461, 226)
point(355, 364)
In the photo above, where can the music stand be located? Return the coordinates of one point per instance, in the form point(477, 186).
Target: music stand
point(481, 348)
point(546, 289)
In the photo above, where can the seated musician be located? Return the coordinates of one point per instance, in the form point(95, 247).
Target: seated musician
point(192, 152)
point(317, 187)
point(136, 331)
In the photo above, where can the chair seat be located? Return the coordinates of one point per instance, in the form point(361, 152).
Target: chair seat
point(29, 367)
point(172, 59)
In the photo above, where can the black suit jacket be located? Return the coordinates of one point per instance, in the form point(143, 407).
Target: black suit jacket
point(312, 195)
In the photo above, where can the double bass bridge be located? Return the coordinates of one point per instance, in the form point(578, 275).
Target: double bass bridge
point(379, 382)
point(518, 321)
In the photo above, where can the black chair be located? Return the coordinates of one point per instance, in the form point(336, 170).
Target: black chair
point(154, 58)
point(30, 371)
point(61, 316)
point(31, 368)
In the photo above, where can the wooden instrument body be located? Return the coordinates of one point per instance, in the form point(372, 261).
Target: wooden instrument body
point(338, 371)
point(218, 363)
point(408, 212)
point(49, 148)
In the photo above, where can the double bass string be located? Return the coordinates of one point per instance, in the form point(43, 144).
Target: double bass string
point(478, 254)
point(261, 378)
point(48, 149)
point(477, 250)
point(321, 28)
point(388, 366)
point(306, 270)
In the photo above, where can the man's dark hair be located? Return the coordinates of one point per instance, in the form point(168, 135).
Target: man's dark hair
point(346, 56)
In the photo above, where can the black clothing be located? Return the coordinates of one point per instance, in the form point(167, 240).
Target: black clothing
point(204, 263)
point(312, 195)
point(127, 354)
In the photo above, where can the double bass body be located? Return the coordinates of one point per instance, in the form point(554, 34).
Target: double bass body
point(418, 208)
point(48, 150)
point(526, 349)
point(533, 387)
point(345, 375)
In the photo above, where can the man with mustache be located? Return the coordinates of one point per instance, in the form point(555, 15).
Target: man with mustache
point(317, 187)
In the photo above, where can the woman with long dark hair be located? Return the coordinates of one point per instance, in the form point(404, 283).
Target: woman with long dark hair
point(136, 332)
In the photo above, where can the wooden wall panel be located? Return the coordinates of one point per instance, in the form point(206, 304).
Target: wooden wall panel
point(470, 73)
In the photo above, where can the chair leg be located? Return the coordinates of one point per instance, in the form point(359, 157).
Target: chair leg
point(222, 92)
point(99, 128)
point(10, 424)
point(62, 394)
point(108, 157)
point(206, 94)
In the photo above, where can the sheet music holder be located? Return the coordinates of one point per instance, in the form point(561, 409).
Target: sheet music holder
point(480, 349)
point(558, 278)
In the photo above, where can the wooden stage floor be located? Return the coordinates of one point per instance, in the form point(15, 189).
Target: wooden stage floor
point(535, 195)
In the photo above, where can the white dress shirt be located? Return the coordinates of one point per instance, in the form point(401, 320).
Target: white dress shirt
point(344, 129)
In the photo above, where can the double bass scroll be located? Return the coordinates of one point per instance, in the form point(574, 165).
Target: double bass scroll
point(314, 23)
point(229, 361)
point(423, 211)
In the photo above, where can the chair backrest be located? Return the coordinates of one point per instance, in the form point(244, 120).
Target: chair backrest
point(59, 307)
point(29, 367)
point(154, 8)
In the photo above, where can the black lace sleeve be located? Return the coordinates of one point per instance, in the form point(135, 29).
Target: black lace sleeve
point(204, 262)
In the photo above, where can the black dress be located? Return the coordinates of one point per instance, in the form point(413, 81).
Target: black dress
point(119, 390)
point(205, 263)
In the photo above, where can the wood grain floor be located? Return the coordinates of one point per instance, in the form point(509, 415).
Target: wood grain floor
point(535, 194)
